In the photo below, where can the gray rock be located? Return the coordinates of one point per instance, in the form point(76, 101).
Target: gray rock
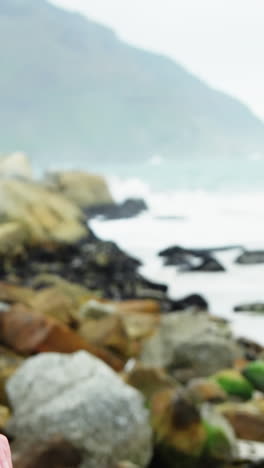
point(250, 257)
point(191, 345)
point(81, 399)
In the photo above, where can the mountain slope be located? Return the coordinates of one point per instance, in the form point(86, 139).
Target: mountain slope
point(69, 86)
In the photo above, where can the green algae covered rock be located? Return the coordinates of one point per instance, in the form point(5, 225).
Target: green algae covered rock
point(254, 372)
point(234, 384)
point(221, 443)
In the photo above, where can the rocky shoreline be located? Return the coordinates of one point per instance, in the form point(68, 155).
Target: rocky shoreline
point(99, 367)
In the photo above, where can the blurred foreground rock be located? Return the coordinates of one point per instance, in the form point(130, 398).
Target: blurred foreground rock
point(191, 345)
point(84, 402)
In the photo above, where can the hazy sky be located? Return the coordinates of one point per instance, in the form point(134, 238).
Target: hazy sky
point(222, 41)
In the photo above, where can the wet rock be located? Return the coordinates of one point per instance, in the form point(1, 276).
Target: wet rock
point(250, 257)
point(257, 307)
point(192, 259)
point(209, 264)
point(84, 401)
point(82, 188)
point(27, 332)
point(128, 209)
point(193, 301)
point(205, 390)
point(234, 384)
point(254, 372)
point(191, 344)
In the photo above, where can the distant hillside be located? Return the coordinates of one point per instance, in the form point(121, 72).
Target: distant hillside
point(69, 86)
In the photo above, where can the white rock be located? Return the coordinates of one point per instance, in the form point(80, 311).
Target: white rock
point(80, 398)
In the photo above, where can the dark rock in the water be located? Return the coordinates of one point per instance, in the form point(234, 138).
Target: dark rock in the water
point(127, 209)
point(250, 257)
point(196, 252)
point(192, 259)
point(193, 301)
point(253, 307)
point(209, 264)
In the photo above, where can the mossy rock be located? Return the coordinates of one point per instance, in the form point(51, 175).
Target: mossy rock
point(234, 384)
point(254, 372)
point(217, 445)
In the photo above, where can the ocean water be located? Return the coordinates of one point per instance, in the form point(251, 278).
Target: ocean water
point(198, 203)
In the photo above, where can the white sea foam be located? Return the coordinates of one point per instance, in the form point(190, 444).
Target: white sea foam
point(210, 219)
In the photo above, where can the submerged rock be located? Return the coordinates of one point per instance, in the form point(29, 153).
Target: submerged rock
point(252, 307)
point(250, 257)
point(127, 209)
point(84, 401)
point(192, 259)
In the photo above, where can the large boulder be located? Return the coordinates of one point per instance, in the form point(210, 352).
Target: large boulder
point(83, 401)
point(16, 165)
point(43, 215)
point(191, 345)
point(82, 188)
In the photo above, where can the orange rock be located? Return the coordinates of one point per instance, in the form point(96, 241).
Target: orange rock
point(27, 333)
point(144, 306)
point(107, 332)
point(52, 303)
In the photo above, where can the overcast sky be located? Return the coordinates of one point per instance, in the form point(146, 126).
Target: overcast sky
point(222, 41)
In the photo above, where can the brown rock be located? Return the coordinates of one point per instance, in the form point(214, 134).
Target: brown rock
point(12, 293)
point(138, 306)
point(177, 423)
point(202, 390)
point(27, 333)
point(108, 333)
point(140, 326)
point(53, 303)
point(248, 425)
point(57, 453)
point(149, 380)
